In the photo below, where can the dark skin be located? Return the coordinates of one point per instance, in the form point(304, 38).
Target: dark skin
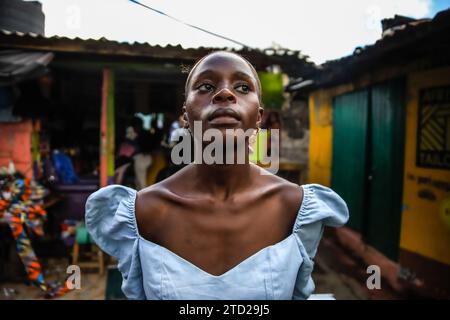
point(217, 216)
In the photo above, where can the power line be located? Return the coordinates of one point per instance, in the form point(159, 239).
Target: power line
point(190, 25)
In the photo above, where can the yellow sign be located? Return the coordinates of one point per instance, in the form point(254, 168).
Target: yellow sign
point(433, 143)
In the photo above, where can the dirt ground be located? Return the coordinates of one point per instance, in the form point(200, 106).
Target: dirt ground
point(345, 276)
point(93, 287)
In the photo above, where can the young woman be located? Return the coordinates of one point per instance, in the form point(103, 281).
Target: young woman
point(218, 231)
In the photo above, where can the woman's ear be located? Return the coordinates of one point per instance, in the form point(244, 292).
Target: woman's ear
point(259, 117)
point(185, 117)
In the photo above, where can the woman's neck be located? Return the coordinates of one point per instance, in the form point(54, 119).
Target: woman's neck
point(222, 180)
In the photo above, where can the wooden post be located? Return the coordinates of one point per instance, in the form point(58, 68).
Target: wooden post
point(111, 128)
point(107, 121)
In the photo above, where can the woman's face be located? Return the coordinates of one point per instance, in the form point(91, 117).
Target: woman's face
point(223, 93)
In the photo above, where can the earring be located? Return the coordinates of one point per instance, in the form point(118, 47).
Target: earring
point(186, 124)
point(187, 129)
point(252, 139)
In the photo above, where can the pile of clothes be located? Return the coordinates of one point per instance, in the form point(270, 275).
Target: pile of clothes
point(21, 208)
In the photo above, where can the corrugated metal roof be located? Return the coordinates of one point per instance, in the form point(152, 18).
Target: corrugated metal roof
point(291, 61)
point(402, 40)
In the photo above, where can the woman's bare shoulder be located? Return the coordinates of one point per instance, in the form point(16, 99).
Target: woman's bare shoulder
point(154, 203)
point(150, 209)
point(290, 194)
point(156, 194)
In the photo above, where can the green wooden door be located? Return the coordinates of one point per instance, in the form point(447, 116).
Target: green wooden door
point(386, 167)
point(350, 126)
point(367, 168)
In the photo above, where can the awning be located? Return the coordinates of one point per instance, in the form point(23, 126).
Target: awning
point(16, 65)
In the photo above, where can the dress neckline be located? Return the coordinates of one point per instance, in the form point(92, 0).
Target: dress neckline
point(206, 273)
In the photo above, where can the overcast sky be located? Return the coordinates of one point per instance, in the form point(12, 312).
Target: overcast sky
point(321, 29)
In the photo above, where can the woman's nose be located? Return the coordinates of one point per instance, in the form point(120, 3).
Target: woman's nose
point(224, 95)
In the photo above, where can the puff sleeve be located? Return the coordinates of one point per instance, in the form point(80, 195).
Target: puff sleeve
point(110, 220)
point(320, 207)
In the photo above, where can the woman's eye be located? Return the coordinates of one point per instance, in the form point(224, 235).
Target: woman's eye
point(205, 87)
point(243, 88)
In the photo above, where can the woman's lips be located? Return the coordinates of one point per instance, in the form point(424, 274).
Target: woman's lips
point(224, 120)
